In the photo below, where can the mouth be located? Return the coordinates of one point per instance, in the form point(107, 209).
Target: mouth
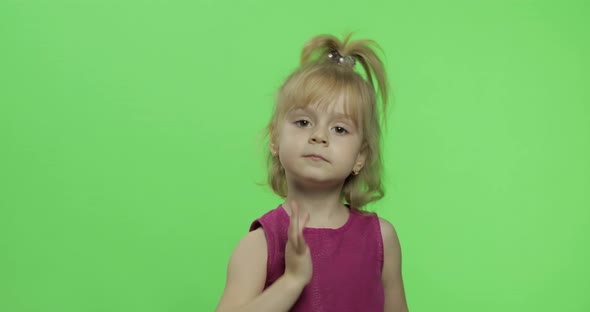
point(315, 157)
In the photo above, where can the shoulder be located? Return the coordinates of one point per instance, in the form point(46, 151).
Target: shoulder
point(388, 233)
point(273, 218)
point(250, 252)
point(391, 243)
point(253, 239)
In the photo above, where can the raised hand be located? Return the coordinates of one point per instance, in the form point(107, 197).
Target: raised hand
point(298, 266)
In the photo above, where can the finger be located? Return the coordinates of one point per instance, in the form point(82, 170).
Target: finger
point(302, 243)
point(302, 224)
point(306, 220)
point(295, 218)
point(292, 231)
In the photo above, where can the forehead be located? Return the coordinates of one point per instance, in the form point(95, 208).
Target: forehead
point(337, 107)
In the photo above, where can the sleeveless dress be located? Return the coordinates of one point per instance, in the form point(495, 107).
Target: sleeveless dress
point(347, 262)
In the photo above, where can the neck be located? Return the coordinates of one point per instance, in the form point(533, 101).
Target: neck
point(323, 204)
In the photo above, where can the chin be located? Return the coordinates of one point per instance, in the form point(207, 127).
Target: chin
point(317, 179)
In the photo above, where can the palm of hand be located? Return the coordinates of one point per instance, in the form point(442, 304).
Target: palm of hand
point(297, 255)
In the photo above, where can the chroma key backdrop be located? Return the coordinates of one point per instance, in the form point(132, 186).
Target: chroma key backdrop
point(131, 147)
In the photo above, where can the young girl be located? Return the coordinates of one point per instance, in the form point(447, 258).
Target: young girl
point(319, 250)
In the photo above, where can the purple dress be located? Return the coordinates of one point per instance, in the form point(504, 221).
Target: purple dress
point(347, 262)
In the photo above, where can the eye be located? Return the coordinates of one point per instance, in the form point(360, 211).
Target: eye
point(340, 130)
point(302, 123)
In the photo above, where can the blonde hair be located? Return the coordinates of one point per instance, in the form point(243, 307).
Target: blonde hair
point(320, 80)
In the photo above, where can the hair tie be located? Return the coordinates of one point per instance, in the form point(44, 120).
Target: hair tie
point(335, 56)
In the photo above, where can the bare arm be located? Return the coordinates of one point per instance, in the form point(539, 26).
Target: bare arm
point(246, 273)
point(391, 277)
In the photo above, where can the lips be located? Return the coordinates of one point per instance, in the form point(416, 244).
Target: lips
point(315, 157)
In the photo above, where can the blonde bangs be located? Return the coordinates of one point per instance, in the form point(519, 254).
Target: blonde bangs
point(322, 86)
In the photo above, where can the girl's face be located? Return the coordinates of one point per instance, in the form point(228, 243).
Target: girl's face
point(319, 146)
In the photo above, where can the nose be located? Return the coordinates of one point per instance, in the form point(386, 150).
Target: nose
point(318, 137)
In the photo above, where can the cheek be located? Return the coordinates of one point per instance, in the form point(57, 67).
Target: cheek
point(349, 152)
point(287, 143)
point(290, 144)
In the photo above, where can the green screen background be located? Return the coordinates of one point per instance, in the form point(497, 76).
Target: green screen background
point(130, 147)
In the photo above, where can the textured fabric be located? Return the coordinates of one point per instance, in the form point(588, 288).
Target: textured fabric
point(347, 262)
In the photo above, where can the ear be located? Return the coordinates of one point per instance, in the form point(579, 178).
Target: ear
point(360, 160)
point(273, 148)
